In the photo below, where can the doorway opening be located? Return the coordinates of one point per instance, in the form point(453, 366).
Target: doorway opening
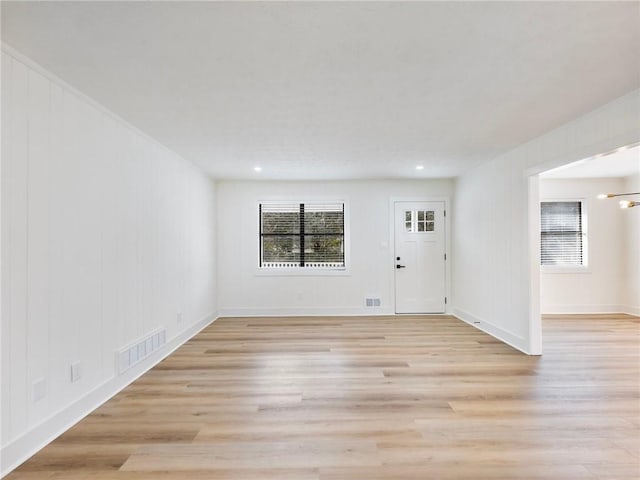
point(583, 249)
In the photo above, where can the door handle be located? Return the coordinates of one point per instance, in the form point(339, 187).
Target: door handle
point(400, 266)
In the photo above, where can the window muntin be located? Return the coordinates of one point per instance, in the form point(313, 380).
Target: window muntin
point(562, 234)
point(419, 221)
point(302, 235)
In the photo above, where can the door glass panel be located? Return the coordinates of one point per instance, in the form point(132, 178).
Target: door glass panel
point(409, 216)
point(419, 221)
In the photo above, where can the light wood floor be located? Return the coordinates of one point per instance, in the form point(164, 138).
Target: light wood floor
point(369, 398)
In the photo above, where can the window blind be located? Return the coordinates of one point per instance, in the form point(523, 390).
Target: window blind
point(302, 235)
point(561, 234)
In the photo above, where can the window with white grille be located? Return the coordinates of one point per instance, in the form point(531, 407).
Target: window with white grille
point(562, 234)
point(302, 235)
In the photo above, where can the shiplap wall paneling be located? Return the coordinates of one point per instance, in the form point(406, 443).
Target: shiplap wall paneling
point(106, 236)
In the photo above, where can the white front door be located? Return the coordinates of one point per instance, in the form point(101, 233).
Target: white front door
point(420, 257)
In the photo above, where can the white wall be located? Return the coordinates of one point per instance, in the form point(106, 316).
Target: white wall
point(598, 288)
point(495, 278)
point(243, 292)
point(631, 267)
point(106, 235)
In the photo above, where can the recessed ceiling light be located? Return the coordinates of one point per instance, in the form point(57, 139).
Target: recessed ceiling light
point(420, 167)
point(257, 169)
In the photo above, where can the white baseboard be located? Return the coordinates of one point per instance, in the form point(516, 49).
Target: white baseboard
point(586, 309)
point(304, 311)
point(629, 310)
point(313, 312)
point(16, 452)
point(516, 341)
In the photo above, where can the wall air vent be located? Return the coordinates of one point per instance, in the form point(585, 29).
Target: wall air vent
point(139, 350)
point(372, 302)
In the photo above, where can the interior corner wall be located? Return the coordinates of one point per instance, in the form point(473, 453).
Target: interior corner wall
point(597, 288)
point(106, 236)
point(630, 288)
point(491, 250)
point(244, 291)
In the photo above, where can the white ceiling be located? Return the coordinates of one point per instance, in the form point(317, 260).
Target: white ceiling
point(337, 90)
point(621, 163)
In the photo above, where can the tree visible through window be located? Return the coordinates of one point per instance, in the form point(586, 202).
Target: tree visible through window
point(302, 235)
point(562, 233)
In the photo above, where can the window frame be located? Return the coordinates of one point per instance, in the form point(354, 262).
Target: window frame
point(563, 269)
point(305, 271)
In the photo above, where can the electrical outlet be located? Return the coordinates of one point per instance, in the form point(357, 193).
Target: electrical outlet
point(76, 372)
point(39, 389)
point(179, 317)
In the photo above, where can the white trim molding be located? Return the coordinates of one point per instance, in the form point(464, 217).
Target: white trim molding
point(306, 312)
point(516, 341)
point(19, 450)
point(630, 310)
point(589, 309)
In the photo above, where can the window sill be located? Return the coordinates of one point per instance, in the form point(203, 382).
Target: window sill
point(302, 272)
point(553, 269)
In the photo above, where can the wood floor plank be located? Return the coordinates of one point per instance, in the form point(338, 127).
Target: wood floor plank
point(209, 474)
point(628, 471)
point(261, 455)
point(453, 471)
point(339, 398)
